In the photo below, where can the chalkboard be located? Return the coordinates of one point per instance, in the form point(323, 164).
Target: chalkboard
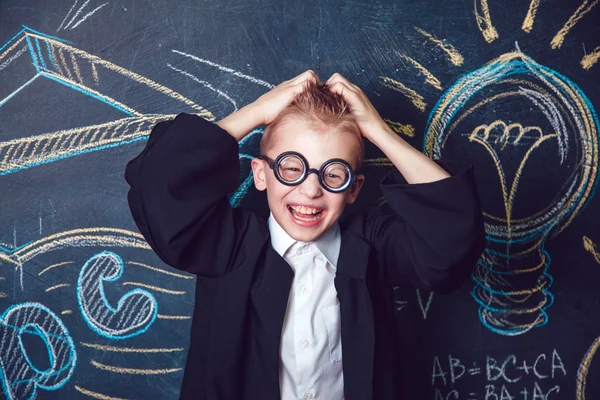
point(87, 310)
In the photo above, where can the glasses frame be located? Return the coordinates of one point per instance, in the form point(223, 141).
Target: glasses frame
point(274, 165)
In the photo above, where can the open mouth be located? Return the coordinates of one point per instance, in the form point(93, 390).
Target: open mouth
point(306, 215)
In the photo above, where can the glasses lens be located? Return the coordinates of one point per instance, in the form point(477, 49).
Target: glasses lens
point(336, 175)
point(290, 168)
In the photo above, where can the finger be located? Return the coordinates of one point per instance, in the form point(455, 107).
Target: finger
point(295, 89)
point(312, 74)
point(308, 75)
point(337, 77)
point(348, 93)
point(294, 80)
point(332, 78)
point(341, 88)
point(298, 86)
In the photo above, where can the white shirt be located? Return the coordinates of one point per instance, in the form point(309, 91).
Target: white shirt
point(311, 341)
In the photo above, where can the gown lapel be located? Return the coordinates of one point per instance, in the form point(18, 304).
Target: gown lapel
point(358, 337)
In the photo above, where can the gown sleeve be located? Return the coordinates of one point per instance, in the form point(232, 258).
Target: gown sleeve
point(434, 233)
point(178, 196)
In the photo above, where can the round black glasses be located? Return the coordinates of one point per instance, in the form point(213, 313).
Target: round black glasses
point(291, 169)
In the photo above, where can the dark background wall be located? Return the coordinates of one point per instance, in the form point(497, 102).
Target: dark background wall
point(87, 310)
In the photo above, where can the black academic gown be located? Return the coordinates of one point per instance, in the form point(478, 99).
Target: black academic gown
point(178, 198)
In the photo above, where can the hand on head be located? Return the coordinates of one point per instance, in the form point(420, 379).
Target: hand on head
point(266, 108)
point(270, 105)
point(366, 116)
point(280, 97)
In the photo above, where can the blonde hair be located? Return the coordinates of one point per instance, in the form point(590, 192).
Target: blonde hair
point(317, 104)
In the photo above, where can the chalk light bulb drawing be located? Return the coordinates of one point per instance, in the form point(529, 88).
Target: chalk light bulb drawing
point(540, 133)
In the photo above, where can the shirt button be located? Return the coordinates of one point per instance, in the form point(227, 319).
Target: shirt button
point(305, 343)
point(308, 395)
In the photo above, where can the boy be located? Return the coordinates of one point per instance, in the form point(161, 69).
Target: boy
point(300, 306)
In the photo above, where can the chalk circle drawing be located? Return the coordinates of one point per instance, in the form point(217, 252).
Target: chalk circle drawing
point(521, 116)
point(21, 378)
point(135, 311)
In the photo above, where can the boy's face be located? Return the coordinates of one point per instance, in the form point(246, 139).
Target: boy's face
point(293, 206)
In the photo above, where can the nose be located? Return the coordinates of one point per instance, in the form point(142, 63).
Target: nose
point(311, 187)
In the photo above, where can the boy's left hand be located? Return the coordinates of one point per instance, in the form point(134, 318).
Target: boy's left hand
point(366, 116)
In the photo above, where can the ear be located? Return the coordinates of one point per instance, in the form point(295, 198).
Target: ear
point(353, 190)
point(259, 173)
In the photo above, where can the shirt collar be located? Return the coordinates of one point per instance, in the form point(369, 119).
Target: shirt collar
point(328, 243)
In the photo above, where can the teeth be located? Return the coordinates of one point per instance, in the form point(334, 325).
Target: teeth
point(316, 217)
point(305, 210)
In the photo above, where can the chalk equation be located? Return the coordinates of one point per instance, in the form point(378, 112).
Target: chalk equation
point(508, 378)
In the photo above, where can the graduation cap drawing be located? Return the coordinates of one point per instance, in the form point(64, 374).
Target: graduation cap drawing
point(31, 56)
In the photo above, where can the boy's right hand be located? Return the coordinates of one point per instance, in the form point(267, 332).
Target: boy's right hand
point(270, 104)
point(266, 108)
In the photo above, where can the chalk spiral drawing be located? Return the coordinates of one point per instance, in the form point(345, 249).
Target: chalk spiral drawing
point(135, 311)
